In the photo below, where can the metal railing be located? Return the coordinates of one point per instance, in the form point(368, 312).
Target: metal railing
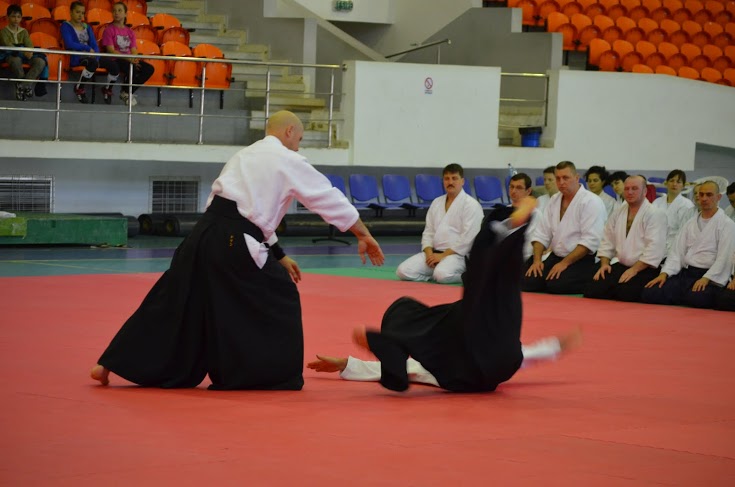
point(424, 46)
point(544, 102)
point(202, 88)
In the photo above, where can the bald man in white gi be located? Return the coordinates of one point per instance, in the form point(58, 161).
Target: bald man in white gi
point(699, 263)
point(633, 246)
point(452, 222)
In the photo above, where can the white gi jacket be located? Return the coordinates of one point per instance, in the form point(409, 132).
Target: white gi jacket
point(582, 224)
point(609, 202)
point(265, 177)
point(710, 248)
point(677, 213)
point(646, 240)
point(455, 229)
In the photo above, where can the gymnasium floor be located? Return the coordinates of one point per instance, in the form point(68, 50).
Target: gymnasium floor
point(648, 400)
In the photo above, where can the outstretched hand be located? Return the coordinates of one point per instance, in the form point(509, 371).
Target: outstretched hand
point(328, 364)
point(368, 246)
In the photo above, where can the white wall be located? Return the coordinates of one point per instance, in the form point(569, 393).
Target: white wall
point(393, 120)
point(368, 11)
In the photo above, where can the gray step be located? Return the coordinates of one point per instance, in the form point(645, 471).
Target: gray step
point(206, 28)
point(244, 56)
point(220, 41)
point(276, 86)
point(257, 71)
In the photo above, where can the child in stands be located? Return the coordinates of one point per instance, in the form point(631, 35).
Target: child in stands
point(16, 36)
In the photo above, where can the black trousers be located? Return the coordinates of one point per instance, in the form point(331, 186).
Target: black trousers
point(678, 290)
point(725, 300)
point(214, 312)
point(572, 281)
point(471, 345)
point(610, 288)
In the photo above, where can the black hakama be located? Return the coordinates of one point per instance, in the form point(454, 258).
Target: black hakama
point(215, 312)
point(471, 345)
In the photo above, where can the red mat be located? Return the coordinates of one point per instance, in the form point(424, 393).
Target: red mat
point(649, 400)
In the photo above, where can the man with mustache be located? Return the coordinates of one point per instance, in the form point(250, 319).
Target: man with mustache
point(452, 223)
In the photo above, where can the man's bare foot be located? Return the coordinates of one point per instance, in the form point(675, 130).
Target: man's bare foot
point(101, 374)
point(328, 364)
point(522, 211)
point(570, 340)
point(359, 336)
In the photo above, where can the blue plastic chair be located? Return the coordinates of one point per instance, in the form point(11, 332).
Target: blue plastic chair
point(428, 188)
point(397, 191)
point(467, 186)
point(488, 190)
point(339, 183)
point(656, 180)
point(608, 189)
point(364, 193)
point(540, 181)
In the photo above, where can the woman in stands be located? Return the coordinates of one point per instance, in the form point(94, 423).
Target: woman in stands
point(79, 36)
point(596, 176)
point(120, 39)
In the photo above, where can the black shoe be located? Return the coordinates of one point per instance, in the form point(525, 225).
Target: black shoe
point(40, 89)
point(107, 94)
point(28, 93)
point(19, 92)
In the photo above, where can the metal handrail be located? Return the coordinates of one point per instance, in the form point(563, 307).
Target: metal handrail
point(203, 88)
point(545, 100)
point(422, 46)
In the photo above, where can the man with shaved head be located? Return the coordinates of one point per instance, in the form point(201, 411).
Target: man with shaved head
point(633, 245)
point(699, 263)
point(228, 305)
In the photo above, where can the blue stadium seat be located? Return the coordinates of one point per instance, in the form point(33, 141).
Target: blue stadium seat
point(488, 190)
point(540, 181)
point(608, 189)
point(365, 194)
point(428, 188)
point(397, 191)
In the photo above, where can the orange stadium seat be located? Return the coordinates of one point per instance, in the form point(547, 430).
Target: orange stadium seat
point(61, 13)
point(545, 7)
point(592, 8)
point(627, 55)
point(665, 70)
point(729, 76)
point(711, 75)
point(642, 68)
point(47, 25)
point(681, 15)
point(147, 32)
point(40, 3)
point(596, 48)
point(178, 34)
point(103, 4)
point(558, 22)
point(688, 72)
point(570, 7)
point(138, 6)
point(208, 51)
point(98, 16)
point(613, 9)
point(586, 34)
point(133, 19)
point(631, 32)
point(32, 12)
point(529, 11)
point(580, 22)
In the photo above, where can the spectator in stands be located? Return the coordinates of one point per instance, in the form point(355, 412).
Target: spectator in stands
point(571, 226)
point(551, 190)
point(452, 223)
point(700, 260)
point(678, 208)
point(519, 187)
point(120, 39)
point(13, 35)
point(616, 181)
point(596, 178)
point(730, 210)
point(635, 236)
point(78, 36)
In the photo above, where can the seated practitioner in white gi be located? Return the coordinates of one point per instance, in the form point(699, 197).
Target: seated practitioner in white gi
point(596, 178)
point(678, 208)
point(551, 189)
point(730, 210)
point(700, 260)
point(471, 345)
point(571, 226)
point(616, 181)
point(635, 236)
point(452, 222)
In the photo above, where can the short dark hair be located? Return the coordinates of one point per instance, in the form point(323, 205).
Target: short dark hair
point(453, 169)
point(75, 5)
point(13, 9)
point(617, 176)
point(731, 188)
point(125, 7)
point(677, 173)
point(600, 171)
point(549, 170)
point(522, 176)
point(565, 165)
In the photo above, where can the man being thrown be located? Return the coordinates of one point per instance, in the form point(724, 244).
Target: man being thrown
point(471, 345)
point(452, 222)
point(635, 234)
point(700, 260)
point(571, 226)
point(228, 306)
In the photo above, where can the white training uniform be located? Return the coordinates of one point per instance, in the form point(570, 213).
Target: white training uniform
point(678, 212)
point(730, 212)
point(545, 350)
point(264, 199)
point(542, 201)
point(706, 244)
point(646, 240)
point(582, 224)
point(455, 229)
point(609, 202)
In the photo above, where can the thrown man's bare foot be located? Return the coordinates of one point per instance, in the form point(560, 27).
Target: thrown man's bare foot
point(359, 336)
point(522, 213)
point(100, 374)
point(570, 340)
